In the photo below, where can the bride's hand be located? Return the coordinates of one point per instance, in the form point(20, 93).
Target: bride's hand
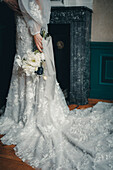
point(38, 42)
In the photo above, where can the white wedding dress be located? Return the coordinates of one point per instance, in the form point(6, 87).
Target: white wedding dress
point(46, 133)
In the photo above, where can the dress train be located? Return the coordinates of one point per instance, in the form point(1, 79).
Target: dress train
point(46, 133)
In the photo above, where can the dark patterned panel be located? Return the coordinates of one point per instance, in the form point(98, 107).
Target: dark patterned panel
point(79, 19)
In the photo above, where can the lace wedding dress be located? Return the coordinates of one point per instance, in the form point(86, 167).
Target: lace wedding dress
point(46, 133)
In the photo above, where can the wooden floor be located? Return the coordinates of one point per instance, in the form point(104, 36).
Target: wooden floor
point(8, 159)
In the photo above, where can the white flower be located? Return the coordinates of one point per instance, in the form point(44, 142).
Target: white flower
point(18, 60)
point(33, 61)
point(29, 70)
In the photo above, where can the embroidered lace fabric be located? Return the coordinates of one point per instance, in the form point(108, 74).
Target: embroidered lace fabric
point(36, 14)
point(46, 134)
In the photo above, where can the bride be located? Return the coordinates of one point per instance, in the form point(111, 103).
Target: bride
point(37, 119)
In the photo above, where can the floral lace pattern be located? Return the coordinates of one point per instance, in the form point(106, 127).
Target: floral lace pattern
point(46, 134)
point(35, 11)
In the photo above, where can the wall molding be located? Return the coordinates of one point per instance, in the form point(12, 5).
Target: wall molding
point(106, 45)
point(101, 70)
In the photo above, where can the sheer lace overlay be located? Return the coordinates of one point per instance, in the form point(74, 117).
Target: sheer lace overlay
point(36, 14)
point(46, 134)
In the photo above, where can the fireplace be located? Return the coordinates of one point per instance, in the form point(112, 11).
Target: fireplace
point(70, 28)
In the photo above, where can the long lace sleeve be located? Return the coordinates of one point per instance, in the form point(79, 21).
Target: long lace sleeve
point(36, 14)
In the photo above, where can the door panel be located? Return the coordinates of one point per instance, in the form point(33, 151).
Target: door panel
point(61, 44)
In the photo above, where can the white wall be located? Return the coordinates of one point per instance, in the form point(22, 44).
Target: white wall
point(102, 21)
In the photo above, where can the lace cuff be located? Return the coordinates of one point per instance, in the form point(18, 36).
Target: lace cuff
point(34, 27)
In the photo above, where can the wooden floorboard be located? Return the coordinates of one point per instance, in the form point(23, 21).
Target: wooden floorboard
point(8, 159)
point(10, 164)
point(91, 103)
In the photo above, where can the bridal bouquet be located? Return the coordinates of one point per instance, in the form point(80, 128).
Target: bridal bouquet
point(32, 63)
